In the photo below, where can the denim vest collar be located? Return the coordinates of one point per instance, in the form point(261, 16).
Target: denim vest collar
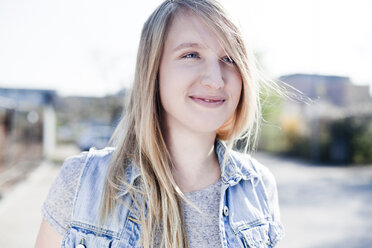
point(131, 174)
point(234, 169)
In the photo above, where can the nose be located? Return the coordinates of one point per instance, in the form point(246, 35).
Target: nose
point(213, 76)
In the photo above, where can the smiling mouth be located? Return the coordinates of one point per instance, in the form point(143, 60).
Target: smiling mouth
point(210, 101)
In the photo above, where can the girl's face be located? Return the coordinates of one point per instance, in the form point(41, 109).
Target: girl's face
point(200, 85)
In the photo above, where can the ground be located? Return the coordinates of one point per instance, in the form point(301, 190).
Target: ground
point(323, 206)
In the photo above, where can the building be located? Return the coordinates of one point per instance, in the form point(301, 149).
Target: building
point(335, 89)
point(37, 106)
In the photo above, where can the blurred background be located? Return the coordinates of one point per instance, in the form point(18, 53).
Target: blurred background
point(66, 68)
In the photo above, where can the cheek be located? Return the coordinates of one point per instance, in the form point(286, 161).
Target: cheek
point(174, 82)
point(238, 88)
point(163, 92)
point(163, 85)
point(236, 85)
point(233, 78)
point(167, 90)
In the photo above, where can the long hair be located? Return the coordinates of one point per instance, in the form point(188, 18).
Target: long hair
point(139, 140)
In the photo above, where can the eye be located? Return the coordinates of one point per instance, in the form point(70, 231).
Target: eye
point(228, 59)
point(192, 55)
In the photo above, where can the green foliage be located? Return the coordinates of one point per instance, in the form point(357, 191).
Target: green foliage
point(271, 135)
point(350, 141)
point(343, 141)
point(361, 142)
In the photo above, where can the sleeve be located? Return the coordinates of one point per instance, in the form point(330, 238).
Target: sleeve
point(58, 205)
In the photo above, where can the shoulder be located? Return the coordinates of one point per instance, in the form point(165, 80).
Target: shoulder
point(264, 172)
point(264, 180)
point(76, 166)
point(94, 166)
point(95, 161)
point(58, 206)
point(78, 162)
point(94, 156)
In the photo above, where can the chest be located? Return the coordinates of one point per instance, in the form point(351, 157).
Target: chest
point(239, 218)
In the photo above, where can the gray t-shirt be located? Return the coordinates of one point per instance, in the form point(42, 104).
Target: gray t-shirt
point(202, 229)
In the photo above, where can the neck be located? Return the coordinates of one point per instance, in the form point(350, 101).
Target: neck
point(195, 163)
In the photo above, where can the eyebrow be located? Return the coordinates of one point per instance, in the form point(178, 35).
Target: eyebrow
point(187, 45)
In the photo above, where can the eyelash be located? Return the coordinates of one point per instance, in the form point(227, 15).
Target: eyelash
point(228, 60)
point(194, 55)
point(187, 56)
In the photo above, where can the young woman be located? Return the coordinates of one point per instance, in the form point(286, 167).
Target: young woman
point(171, 180)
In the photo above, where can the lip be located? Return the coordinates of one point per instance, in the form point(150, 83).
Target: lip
point(208, 101)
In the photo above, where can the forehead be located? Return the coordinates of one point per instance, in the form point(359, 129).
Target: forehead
point(187, 27)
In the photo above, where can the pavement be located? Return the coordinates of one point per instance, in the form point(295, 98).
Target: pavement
point(20, 214)
point(321, 206)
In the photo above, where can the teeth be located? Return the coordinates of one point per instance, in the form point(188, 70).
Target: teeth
point(210, 100)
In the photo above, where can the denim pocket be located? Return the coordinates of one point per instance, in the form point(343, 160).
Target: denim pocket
point(256, 237)
point(76, 236)
point(262, 236)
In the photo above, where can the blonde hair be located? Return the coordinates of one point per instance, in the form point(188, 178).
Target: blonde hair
point(139, 139)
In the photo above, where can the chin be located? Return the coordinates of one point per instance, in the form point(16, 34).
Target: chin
point(206, 127)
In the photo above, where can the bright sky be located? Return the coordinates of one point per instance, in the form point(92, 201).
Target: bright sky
point(82, 47)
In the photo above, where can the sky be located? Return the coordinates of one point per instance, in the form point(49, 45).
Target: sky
point(81, 47)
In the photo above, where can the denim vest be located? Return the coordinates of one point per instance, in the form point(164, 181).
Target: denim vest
point(249, 211)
